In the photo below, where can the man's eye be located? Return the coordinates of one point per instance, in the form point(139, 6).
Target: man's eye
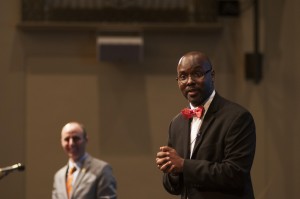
point(183, 77)
point(198, 74)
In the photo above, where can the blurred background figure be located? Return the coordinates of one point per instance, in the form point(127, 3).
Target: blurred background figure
point(83, 177)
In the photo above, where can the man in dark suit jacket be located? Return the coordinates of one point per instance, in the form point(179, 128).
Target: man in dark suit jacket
point(211, 146)
point(92, 178)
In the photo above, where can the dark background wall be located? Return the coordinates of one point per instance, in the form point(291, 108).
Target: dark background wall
point(50, 77)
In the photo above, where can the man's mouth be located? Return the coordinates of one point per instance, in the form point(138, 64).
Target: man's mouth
point(72, 150)
point(192, 92)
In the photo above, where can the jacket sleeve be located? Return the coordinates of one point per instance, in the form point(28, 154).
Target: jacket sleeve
point(173, 183)
point(106, 187)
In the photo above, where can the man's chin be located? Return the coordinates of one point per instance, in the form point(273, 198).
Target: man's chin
point(73, 157)
point(194, 101)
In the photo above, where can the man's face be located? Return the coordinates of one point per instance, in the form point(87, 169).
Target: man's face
point(73, 140)
point(195, 78)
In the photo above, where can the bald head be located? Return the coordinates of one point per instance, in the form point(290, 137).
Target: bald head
point(74, 125)
point(195, 58)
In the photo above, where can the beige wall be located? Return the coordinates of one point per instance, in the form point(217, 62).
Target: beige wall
point(12, 101)
point(51, 77)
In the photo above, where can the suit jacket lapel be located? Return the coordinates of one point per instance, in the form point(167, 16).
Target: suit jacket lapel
point(186, 139)
point(202, 131)
point(207, 121)
point(81, 174)
point(64, 181)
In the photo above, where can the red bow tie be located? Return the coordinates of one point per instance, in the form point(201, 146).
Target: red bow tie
point(189, 113)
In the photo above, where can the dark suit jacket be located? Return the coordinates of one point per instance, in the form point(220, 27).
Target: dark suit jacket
point(223, 154)
point(94, 181)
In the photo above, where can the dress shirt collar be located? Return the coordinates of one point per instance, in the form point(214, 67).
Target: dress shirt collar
point(78, 164)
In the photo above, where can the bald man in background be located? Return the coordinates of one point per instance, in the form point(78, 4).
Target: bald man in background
point(91, 178)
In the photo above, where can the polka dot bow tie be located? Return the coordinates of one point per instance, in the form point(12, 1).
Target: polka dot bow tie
point(189, 113)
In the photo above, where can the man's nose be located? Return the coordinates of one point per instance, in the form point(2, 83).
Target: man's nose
point(190, 79)
point(71, 141)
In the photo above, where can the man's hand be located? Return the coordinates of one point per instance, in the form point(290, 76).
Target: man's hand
point(168, 161)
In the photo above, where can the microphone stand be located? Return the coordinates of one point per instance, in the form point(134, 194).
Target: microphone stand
point(5, 171)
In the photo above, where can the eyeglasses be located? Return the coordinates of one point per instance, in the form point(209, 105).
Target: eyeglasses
point(183, 78)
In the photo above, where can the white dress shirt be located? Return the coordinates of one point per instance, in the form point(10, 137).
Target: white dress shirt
point(196, 122)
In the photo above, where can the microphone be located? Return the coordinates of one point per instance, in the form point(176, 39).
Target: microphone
point(14, 167)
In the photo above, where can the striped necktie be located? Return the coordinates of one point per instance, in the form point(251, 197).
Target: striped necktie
point(70, 180)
